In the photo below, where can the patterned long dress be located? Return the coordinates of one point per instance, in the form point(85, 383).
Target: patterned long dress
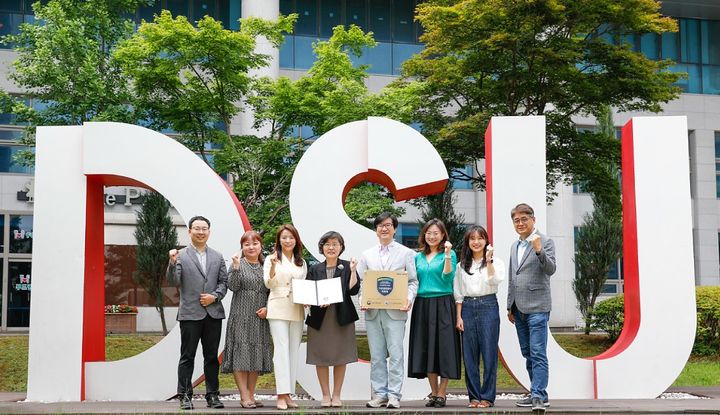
point(248, 344)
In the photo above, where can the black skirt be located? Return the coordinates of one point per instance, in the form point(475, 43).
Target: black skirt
point(434, 341)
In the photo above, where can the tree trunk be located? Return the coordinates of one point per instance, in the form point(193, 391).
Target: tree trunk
point(161, 310)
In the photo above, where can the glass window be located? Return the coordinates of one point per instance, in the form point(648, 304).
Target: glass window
point(329, 16)
point(380, 20)
point(460, 183)
point(689, 40)
point(286, 7)
point(717, 144)
point(2, 239)
point(178, 7)
point(379, 58)
point(610, 289)
point(711, 79)
point(19, 285)
point(202, 8)
point(7, 160)
point(693, 83)
point(649, 45)
point(711, 41)
point(307, 17)
point(287, 52)
point(670, 46)
point(304, 55)
point(21, 232)
point(407, 234)
point(147, 13)
point(229, 13)
point(402, 52)
point(9, 25)
point(12, 6)
point(356, 13)
point(403, 25)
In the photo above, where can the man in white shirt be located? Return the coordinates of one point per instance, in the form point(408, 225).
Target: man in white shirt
point(386, 328)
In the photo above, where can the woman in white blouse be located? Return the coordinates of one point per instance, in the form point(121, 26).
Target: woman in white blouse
point(478, 317)
point(283, 265)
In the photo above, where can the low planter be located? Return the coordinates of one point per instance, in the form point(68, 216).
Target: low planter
point(120, 319)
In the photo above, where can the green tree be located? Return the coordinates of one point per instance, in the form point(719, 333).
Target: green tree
point(441, 206)
point(367, 200)
point(155, 236)
point(64, 63)
point(557, 58)
point(191, 78)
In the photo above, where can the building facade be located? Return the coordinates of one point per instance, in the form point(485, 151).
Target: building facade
point(695, 48)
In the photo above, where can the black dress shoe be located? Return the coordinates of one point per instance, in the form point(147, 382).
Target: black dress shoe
point(186, 401)
point(214, 402)
point(439, 401)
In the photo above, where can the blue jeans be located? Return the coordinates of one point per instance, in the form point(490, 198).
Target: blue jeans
point(385, 338)
point(532, 331)
point(481, 320)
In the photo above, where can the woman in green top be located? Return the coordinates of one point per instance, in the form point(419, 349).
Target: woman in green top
point(434, 342)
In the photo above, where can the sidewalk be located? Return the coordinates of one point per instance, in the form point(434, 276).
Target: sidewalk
point(9, 404)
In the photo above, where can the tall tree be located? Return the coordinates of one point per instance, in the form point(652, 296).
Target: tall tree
point(557, 58)
point(64, 63)
point(155, 236)
point(442, 206)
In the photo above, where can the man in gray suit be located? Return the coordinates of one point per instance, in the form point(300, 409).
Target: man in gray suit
point(386, 328)
point(532, 262)
point(201, 274)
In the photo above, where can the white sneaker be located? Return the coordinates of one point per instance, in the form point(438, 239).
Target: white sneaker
point(377, 402)
point(393, 403)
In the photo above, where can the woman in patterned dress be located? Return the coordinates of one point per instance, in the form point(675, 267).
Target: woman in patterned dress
point(247, 343)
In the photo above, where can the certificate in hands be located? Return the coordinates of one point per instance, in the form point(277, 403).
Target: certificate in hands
point(323, 292)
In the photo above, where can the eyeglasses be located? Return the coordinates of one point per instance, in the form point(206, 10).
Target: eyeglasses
point(523, 219)
point(385, 226)
point(196, 229)
point(433, 233)
point(331, 245)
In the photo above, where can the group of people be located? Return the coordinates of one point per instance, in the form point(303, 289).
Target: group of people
point(454, 313)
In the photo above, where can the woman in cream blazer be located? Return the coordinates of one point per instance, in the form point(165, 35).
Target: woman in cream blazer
point(283, 265)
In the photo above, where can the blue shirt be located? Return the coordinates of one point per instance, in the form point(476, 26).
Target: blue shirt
point(433, 283)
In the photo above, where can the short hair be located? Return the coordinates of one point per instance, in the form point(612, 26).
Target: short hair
point(297, 251)
point(331, 235)
point(422, 244)
point(202, 218)
point(252, 236)
point(522, 208)
point(382, 217)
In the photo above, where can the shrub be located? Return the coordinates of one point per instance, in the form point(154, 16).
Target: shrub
point(609, 316)
point(707, 337)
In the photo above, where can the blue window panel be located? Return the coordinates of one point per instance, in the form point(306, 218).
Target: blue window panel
point(7, 162)
point(10, 135)
point(710, 36)
point(202, 8)
point(630, 40)
point(379, 20)
point(12, 6)
point(670, 47)
point(9, 25)
point(330, 13)
point(2, 242)
point(614, 271)
point(178, 7)
point(407, 234)
point(304, 55)
point(693, 83)
point(711, 79)
point(307, 17)
point(403, 25)
point(463, 184)
point(306, 131)
point(356, 13)
point(147, 13)
point(717, 146)
point(286, 7)
point(649, 43)
point(229, 13)
point(287, 53)
point(717, 186)
point(610, 289)
point(7, 118)
point(689, 40)
point(403, 52)
point(380, 58)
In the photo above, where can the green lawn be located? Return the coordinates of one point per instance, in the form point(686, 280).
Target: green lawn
point(699, 371)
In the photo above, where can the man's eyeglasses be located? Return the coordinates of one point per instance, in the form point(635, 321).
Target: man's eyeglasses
point(385, 226)
point(196, 229)
point(523, 219)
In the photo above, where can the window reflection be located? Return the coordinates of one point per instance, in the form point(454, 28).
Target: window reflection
point(19, 286)
point(21, 234)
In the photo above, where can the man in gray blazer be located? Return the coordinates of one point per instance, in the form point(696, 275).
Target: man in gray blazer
point(386, 328)
point(202, 276)
point(532, 262)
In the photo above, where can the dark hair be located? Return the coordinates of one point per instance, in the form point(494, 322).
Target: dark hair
point(422, 245)
point(297, 251)
point(382, 217)
point(254, 236)
point(466, 254)
point(331, 235)
point(202, 218)
point(522, 208)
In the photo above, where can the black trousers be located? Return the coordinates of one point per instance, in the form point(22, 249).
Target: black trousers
point(206, 331)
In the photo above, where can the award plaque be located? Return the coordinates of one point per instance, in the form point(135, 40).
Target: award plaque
point(384, 289)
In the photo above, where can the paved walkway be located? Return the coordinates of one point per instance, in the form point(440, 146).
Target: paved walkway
point(9, 404)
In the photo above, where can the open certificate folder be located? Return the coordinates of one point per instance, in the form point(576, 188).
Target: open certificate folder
point(321, 292)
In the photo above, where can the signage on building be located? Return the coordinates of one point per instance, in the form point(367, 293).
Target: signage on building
point(131, 196)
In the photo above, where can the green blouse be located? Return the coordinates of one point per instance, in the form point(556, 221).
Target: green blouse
point(433, 283)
